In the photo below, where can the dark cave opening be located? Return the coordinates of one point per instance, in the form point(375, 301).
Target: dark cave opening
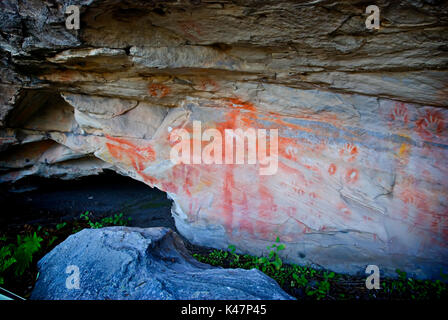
point(47, 201)
point(36, 205)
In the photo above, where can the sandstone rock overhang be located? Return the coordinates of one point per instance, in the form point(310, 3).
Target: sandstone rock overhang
point(361, 115)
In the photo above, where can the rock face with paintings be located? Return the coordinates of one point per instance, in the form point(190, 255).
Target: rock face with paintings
point(362, 173)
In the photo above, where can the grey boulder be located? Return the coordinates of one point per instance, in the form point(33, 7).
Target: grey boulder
point(136, 263)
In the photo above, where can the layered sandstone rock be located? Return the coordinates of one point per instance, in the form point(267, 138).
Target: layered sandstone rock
point(361, 117)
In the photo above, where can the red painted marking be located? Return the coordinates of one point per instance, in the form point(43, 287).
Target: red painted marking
point(186, 176)
point(244, 222)
point(267, 206)
point(127, 152)
point(208, 85)
point(344, 211)
point(291, 211)
point(188, 179)
point(412, 196)
point(312, 168)
point(240, 104)
point(352, 176)
point(169, 187)
point(191, 29)
point(264, 230)
point(400, 112)
point(349, 152)
point(227, 206)
point(146, 153)
point(432, 123)
point(158, 90)
point(332, 169)
point(407, 197)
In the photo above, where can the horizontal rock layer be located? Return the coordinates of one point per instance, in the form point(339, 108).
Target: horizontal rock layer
point(361, 114)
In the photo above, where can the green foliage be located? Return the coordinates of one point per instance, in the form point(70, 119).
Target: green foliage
point(300, 280)
point(52, 240)
point(236, 257)
point(273, 262)
point(115, 220)
point(85, 215)
point(309, 283)
point(215, 258)
point(60, 226)
point(322, 289)
point(6, 260)
point(272, 265)
point(18, 256)
point(405, 287)
point(26, 247)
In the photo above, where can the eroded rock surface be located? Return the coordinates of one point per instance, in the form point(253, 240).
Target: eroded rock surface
point(119, 263)
point(361, 114)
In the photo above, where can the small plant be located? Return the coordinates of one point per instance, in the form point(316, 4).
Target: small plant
point(18, 256)
point(322, 288)
point(60, 226)
point(6, 260)
point(232, 249)
point(52, 240)
point(86, 216)
point(26, 247)
point(236, 257)
point(300, 280)
point(273, 261)
point(306, 282)
point(320, 292)
point(115, 220)
point(215, 258)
